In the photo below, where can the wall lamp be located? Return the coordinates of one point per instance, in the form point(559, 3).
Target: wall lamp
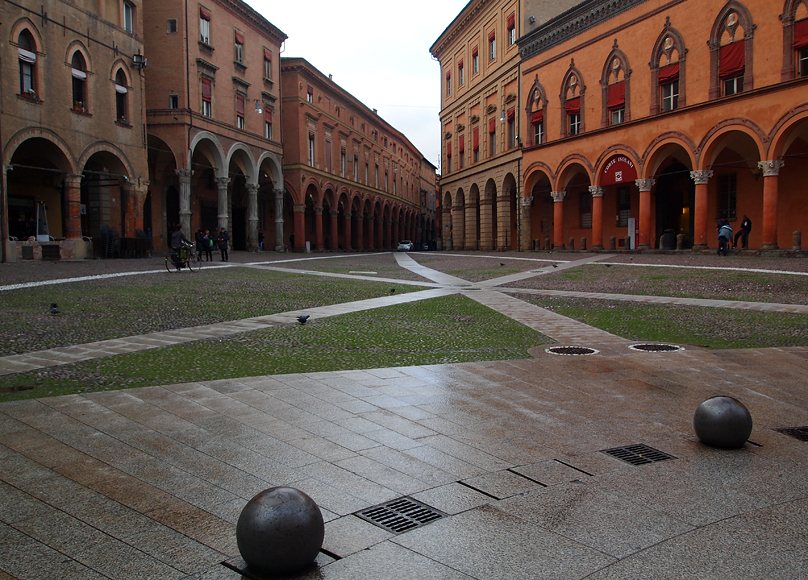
point(139, 60)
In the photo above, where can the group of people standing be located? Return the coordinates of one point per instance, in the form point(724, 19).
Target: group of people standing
point(725, 235)
point(205, 244)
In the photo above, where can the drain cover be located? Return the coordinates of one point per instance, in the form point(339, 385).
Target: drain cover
point(571, 350)
point(800, 433)
point(400, 515)
point(638, 454)
point(656, 347)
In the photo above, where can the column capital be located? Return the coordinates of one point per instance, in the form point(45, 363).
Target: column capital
point(701, 177)
point(596, 190)
point(771, 168)
point(527, 201)
point(251, 187)
point(278, 191)
point(318, 211)
point(558, 196)
point(73, 178)
point(184, 175)
point(221, 182)
point(645, 184)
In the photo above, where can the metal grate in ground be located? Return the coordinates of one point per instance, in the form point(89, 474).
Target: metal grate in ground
point(656, 347)
point(571, 350)
point(638, 454)
point(800, 433)
point(400, 515)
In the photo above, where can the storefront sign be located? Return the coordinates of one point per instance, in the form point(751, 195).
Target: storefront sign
point(619, 169)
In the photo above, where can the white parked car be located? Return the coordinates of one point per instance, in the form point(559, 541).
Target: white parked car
point(405, 246)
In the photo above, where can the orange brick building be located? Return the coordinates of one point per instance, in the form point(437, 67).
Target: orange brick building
point(666, 115)
point(72, 126)
point(214, 137)
point(353, 181)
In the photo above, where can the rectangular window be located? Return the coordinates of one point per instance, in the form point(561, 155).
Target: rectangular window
point(207, 97)
point(311, 149)
point(618, 115)
point(204, 25)
point(538, 133)
point(328, 155)
point(585, 209)
point(172, 25)
point(574, 123)
point(617, 102)
point(267, 123)
point(492, 46)
point(511, 128)
point(376, 180)
point(492, 137)
point(128, 17)
point(267, 64)
point(802, 57)
point(511, 30)
point(386, 182)
point(448, 84)
point(461, 146)
point(356, 168)
point(240, 111)
point(623, 206)
point(342, 162)
point(448, 163)
point(460, 76)
point(239, 54)
point(475, 61)
point(173, 101)
point(670, 96)
point(733, 86)
point(727, 188)
point(310, 94)
point(367, 181)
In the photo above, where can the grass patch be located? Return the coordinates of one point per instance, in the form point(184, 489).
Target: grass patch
point(117, 307)
point(449, 329)
point(716, 328)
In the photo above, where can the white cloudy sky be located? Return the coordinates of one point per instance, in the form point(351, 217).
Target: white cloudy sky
point(378, 51)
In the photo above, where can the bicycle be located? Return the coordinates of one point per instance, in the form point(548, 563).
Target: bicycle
point(186, 258)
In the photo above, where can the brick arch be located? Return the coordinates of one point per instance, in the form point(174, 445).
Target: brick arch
point(103, 146)
point(658, 149)
point(781, 136)
point(712, 140)
point(618, 149)
point(567, 163)
point(23, 135)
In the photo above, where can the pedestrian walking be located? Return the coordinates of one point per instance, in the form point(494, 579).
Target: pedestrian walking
point(199, 238)
point(223, 239)
point(261, 240)
point(208, 246)
point(724, 236)
point(743, 233)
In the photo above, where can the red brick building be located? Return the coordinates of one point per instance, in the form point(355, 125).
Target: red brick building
point(353, 182)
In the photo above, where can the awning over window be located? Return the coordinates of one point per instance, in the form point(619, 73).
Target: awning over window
point(240, 105)
point(574, 106)
point(492, 125)
point(668, 74)
point(537, 116)
point(476, 138)
point(26, 55)
point(267, 54)
point(801, 34)
point(617, 95)
point(511, 113)
point(121, 89)
point(462, 143)
point(239, 37)
point(78, 74)
point(204, 13)
point(460, 65)
point(511, 21)
point(448, 149)
point(731, 60)
point(491, 36)
point(475, 51)
point(267, 114)
point(206, 90)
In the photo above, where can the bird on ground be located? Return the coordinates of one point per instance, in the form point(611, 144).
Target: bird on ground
point(53, 308)
point(608, 265)
point(502, 263)
point(631, 258)
point(303, 318)
point(554, 266)
point(392, 290)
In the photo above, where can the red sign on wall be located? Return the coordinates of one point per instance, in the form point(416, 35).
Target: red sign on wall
point(619, 169)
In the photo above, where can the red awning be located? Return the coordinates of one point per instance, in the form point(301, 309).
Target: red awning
point(537, 116)
point(448, 148)
point(239, 37)
point(462, 143)
point(574, 106)
point(460, 65)
point(617, 95)
point(267, 54)
point(204, 14)
point(206, 90)
point(448, 75)
point(476, 138)
point(491, 36)
point(240, 105)
point(492, 125)
point(619, 169)
point(731, 60)
point(475, 51)
point(511, 21)
point(801, 34)
point(668, 74)
point(267, 114)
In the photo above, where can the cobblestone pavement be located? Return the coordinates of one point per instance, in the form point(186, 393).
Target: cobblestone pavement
point(149, 483)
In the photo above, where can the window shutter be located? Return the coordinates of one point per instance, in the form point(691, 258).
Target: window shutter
point(731, 59)
point(492, 125)
point(240, 105)
point(462, 144)
point(267, 54)
point(617, 95)
point(574, 106)
point(239, 37)
point(801, 34)
point(537, 116)
point(204, 13)
point(491, 36)
point(476, 138)
point(511, 21)
point(448, 75)
point(668, 74)
point(206, 90)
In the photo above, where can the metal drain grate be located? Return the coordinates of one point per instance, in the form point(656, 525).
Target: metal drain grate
point(638, 454)
point(656, 347)
point(400, 515)
point(800, 433)
point(571, 350)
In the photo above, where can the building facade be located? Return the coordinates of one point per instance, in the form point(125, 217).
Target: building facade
point(644, 125)
point(72, 127)
point(214, 133)
point(353, 182)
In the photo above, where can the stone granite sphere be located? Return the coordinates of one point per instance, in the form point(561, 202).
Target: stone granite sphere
point(723, 422)
point(280, 531)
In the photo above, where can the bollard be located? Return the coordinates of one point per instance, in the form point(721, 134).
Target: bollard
point(572, 244)
point(583, 243)
point(680, 241)
point(627, 242)
point(613, 243)
point(547, 245)
point(796, 240)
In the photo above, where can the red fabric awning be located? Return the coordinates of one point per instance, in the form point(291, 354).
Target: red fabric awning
point(491, 36)
point(617, 95)
point(668, 74)
point(460, 65)
point(475, 51)
point(511, 21)
point(268, 115)
point(731, 60)
point(206, 90)
point(476, 138)
point(448, 148)
point(204, 14)
point(537, 116)
point(801, 34)
point(239, 37)
point(267, 54)
point(240, 105)
point(574, 106)
point(619, 169)
point(511, 113)
point(492, 125)
point(461, 146)
point(448, 75)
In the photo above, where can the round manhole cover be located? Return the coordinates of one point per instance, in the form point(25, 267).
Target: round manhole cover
point(571, 350)
point(656, 347)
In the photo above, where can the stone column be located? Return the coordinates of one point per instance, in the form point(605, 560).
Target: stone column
point(558, 218)
point(300, 227)
point(526, 242)
point(458, 228)
point(348, 232)
point(645, 186)
point(252, 216)
point(318, 228)
point(378, 242)
point(334, 231)
point(360, 231)
point(388, 232)
point(447, 232)
point(597, 216)
point(72, 185)
point(700, 209)
point(184, 176)
point(503, 222)
point(771, 171)
point(223, 215)
point(486, 227)
point(471, 239)
point(279, 243)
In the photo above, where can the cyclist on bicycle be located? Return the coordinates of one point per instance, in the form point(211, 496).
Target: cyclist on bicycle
point(180, 245)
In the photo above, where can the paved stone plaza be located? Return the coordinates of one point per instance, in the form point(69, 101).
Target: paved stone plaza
point(149, 483)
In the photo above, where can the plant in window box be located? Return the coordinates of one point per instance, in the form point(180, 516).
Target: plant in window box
point(79, 106)
point(123, 121)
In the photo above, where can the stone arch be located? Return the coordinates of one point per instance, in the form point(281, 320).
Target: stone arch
point(665, 145)
point(724, 135)
point(103, 146)
point(23, 135)
point(242, 156)
point(209, 146)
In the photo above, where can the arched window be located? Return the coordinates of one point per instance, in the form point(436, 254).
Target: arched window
point(121, 108)
point(26, 50)
point(535, 110)
point(668, 71)
point(78, 70)
point(795, 40)
point(731, 51)
point(614, 83)
point(572, 103)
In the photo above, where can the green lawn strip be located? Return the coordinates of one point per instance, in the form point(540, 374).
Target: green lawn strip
point(716, 328)
point(448, 329)
point(384, 265)
point(713, 284)
point(118, 307)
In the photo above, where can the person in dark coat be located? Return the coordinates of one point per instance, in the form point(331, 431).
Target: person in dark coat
point(724, 236)
point(208, 245)
point(223, 240)
point(199, 238)
point(743, 233)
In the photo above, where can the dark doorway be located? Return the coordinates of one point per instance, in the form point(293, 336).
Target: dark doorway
point(238, 236)
point(172, 211)
point(675, 194)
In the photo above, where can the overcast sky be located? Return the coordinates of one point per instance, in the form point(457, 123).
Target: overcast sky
point(378, 52)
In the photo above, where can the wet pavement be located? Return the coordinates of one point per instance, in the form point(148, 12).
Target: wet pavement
point(149, 483)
